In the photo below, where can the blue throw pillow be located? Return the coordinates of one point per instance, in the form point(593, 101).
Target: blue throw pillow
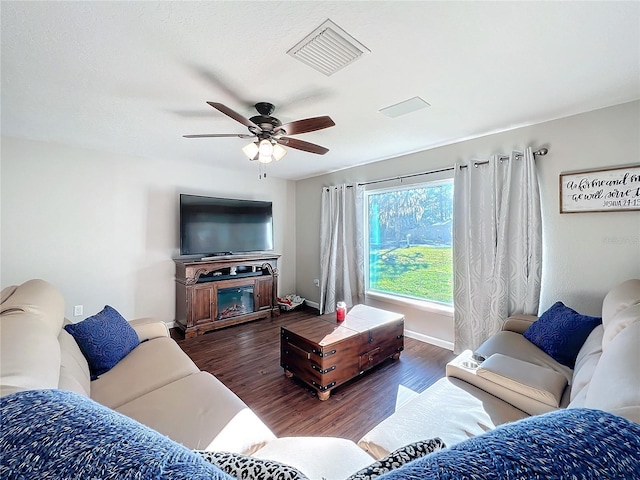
point(560, 332)
point(104, 339)
point(60, 434)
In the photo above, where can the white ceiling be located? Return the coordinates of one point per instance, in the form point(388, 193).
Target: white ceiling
point(133, 77)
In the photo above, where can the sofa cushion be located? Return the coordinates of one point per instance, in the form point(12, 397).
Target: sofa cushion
point(620, 308)
point(36, 297)
point(586, 361)
point(561, 332)
point(148, 328)
point(60, 434)
point(575, 443)
point(7, 292)
point(450, 409)
point(74, 369)
point(579, 399)
point(532, 381)
point(398, 458)
point(615, 385)
point(104, 338)
point(29, 354)
point(317, 457)
point(518, 322)
point(244, 466)
point(619, 322)
point(149, 366)
point(211, 424)
point(619, 298)
point(514, 345)
point(529, 387)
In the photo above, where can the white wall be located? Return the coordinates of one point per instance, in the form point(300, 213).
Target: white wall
point(103, 228)
point(584, 254)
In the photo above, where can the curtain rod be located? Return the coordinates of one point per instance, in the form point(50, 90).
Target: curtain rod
point(541, 152)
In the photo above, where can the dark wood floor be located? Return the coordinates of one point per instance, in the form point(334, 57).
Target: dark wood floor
point(246, 358)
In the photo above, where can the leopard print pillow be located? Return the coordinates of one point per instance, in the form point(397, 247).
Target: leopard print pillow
point(244, 467)
point(398, 458)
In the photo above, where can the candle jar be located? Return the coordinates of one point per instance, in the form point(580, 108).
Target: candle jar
point(341, 311)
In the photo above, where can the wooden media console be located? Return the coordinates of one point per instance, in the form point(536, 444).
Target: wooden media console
point(224, 291)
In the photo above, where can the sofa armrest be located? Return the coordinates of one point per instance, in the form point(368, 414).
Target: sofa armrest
point(518, 323)
point(148, 328)
point(532, 381)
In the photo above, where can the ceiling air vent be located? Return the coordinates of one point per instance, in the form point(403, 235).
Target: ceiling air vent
point(328, 49)
point(402, 108)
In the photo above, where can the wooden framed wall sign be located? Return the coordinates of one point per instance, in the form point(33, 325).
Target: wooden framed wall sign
point(608, 190)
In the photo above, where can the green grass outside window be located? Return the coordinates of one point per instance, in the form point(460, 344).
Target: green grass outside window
point(424, 272)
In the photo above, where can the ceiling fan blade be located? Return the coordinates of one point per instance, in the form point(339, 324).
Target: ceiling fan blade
point(302, 145)
point(307, 125)
point(233, 114)
point(207, 135)
point(219, 82)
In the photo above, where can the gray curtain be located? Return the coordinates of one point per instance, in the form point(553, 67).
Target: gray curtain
point(497, 246)
point(341, 247)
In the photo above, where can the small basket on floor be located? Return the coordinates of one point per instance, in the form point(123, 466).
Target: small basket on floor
point(290, 302)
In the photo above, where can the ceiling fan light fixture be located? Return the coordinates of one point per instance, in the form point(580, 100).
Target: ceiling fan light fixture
point(278, 152)
point(251, 150)
point(264, 151)
point(265, 148)
point(270, 132)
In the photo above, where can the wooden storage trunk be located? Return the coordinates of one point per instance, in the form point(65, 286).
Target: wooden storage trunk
point(325, 354)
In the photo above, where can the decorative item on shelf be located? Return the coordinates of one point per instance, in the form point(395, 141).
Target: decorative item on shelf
point(341, 311)
point(290, 302)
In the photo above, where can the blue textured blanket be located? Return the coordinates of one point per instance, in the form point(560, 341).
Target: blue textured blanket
point(575, 444)
point(59, 434)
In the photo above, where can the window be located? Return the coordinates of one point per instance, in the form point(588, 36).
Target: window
point(409, 241)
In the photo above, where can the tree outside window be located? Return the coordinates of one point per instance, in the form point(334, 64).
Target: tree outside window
point(410, 241)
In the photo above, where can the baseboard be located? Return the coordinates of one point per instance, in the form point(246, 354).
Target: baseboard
point(438, 342)
point(307, 302)
point(409, 333)
point(315, 305)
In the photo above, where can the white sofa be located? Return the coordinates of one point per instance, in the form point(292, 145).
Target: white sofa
point(525, 381)
point(156, 384)
point(159, 386)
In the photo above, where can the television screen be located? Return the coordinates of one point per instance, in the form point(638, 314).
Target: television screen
point(211, 225)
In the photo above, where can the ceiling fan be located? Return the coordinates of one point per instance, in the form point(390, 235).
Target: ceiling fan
point(271, 133)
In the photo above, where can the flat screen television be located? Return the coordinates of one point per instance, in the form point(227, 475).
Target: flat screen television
point(222, 226)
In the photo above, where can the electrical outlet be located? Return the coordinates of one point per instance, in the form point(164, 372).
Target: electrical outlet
point(77, 310)
point(316, 282)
